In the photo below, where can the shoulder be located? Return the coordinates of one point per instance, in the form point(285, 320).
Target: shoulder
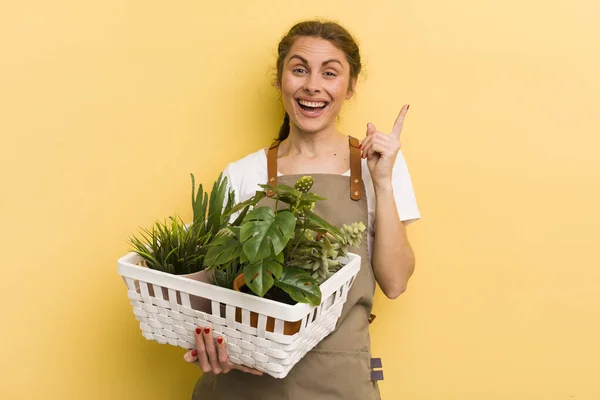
point(252, 163)
point(245, 174)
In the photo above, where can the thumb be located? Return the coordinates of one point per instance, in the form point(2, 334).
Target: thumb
point(191, 356)
point(370, 128)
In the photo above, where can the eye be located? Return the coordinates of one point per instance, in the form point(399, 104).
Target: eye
point(330, 74)
point(299, 70)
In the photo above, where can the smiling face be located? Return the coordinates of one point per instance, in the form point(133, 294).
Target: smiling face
point(315, 82)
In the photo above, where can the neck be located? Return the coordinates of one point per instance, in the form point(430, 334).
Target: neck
point(312, 144)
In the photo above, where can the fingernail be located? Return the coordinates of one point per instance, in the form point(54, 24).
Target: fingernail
point(194, 353)
point(407, 107)
point(207, 330)
point(219, 340)
point(360, 146)
point(198, 331)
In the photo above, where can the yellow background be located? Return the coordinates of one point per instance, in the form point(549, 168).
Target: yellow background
point(107, 106)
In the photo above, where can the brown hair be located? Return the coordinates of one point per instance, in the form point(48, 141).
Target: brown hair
point(327, 30)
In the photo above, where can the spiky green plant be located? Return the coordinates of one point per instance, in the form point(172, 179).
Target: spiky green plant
point(179, 248)
point(225, 277)
point(171, 247)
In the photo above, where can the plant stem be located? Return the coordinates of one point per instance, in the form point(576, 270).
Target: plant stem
point(301, 236)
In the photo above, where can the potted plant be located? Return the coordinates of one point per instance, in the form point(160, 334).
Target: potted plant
point(177, 248)
point(283, 253)
point(280, 253)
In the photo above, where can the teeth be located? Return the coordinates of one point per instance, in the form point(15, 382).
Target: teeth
point(312, 103)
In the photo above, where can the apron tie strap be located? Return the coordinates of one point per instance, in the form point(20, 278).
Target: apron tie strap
point(355, 169)
point(272, 166)
point(376, 375)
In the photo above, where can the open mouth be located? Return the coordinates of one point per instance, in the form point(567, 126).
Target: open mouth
point(314, 106)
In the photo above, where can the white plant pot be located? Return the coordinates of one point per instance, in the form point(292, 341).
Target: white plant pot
point(196, 303)
point(172, 319)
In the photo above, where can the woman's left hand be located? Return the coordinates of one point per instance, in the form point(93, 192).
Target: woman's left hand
point(381, 149)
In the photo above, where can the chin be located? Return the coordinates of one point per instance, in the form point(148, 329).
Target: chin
point(308, 125)
point(311, 128)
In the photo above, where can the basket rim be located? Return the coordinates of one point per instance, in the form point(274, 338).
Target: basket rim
point(128, 268)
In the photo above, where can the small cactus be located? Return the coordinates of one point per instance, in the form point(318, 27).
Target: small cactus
point(304, 184)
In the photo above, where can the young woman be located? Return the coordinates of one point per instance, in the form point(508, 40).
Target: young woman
point(317, 69)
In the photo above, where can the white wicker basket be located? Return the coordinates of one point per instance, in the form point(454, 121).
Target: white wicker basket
point(274, 353)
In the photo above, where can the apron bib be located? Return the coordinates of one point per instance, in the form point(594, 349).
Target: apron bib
point(339, 367)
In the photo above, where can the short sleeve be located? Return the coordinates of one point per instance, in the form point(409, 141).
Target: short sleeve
point(245, 175)
point(230, 182)
point(406, 203)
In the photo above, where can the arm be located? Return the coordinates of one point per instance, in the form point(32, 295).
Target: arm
point(393, 257)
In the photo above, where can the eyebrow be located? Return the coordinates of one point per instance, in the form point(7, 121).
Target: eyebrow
point(323, 63)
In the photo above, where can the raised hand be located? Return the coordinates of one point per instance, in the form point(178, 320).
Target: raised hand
point(381, 149)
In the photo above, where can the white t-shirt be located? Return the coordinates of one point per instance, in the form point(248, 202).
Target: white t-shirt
point(244, 176)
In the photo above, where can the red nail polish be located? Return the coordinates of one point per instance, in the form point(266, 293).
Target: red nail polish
point(360, 146)
point(407, 107)
point(220, 340)
point(194, 353)
point(198, 331)
point(207, 330)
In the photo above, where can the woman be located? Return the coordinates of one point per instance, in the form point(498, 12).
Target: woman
point(317, 69)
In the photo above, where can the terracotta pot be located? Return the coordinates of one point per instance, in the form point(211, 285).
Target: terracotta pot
point(289, 328)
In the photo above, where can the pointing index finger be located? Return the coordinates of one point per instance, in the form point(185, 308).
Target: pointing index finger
point(397, 129)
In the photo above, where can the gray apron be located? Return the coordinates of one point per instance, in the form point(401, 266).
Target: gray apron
point(339, 367)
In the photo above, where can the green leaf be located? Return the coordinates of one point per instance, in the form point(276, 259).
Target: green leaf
point(279, 257)
point(300, 286)
point(222, 250)
point(259, 275)
point(235, 230)
point(241, 216)
point(216, 203)
point(283, 193)
point(310, 197)
point(251, 202)
point(224, 277)
point(264, 232)
point(318, 221)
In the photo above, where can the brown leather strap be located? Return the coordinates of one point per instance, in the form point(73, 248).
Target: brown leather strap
point(355, 169)
point(272, 166)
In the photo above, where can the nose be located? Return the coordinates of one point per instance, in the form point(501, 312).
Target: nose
point(311, 85)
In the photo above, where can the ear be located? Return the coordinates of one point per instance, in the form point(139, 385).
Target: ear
point(351, 88)
point(277, 85)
